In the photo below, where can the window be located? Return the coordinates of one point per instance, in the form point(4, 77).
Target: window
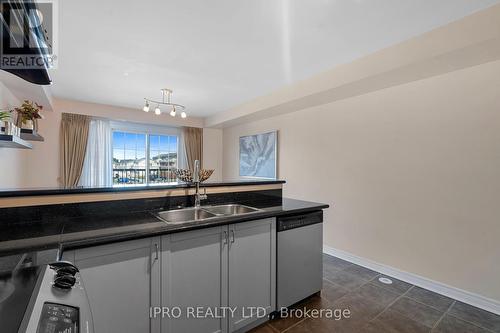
point(142, 158)
point(162, 158)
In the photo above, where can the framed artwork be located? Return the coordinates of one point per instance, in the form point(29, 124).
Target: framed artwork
point(258, 155)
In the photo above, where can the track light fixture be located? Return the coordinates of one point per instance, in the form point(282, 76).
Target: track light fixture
point(166, 100)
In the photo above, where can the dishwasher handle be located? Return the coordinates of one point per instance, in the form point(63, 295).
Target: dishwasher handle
point(300, 220)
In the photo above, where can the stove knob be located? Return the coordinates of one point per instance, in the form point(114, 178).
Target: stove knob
point(64, 281)
point(64, 267)
point(67, 270)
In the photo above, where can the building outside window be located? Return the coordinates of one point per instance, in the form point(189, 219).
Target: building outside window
point(144, 158)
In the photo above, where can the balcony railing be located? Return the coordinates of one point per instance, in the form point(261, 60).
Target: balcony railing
point(138, 176)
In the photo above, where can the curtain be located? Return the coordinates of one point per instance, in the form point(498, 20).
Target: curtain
point(74, 135)
point(98, 167)
point(192, 139)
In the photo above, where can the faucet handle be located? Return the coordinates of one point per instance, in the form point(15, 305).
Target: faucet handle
point(204, 195)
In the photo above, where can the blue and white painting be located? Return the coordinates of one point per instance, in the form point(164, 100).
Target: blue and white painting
point(258, 155)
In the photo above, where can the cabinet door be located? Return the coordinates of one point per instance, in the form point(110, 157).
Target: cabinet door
point(122, 281)
point(252, 270)
point(194, 274)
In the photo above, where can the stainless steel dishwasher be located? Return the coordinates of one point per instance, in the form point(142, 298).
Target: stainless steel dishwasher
point(299, 257)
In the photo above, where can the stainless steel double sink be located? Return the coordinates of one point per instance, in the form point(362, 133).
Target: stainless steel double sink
point(203, 213)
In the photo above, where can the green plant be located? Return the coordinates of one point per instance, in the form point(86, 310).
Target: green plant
point(28, 111)
point(4, 115)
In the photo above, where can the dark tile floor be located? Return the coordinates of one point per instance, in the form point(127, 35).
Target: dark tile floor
point(376, 307)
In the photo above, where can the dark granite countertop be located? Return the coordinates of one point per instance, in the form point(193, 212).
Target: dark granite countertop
point(93, 230)
point(9, 263)
point(130, 188)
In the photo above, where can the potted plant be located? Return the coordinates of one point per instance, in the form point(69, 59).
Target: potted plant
point(4, 116)
point(4, 121)
point(6, 124)
point(28, 114)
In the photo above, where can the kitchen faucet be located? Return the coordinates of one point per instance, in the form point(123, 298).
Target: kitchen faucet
point(196, 180)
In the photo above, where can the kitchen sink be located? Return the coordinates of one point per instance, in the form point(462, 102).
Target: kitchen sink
point(203, 213)
point(184, 215)
point(230, 209)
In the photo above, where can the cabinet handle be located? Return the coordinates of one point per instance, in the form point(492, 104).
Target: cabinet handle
point(232, 233)
point(157, 250)
point(225, 236)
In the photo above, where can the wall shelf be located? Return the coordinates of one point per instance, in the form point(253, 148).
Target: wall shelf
point(12, 141)
point(30, 135)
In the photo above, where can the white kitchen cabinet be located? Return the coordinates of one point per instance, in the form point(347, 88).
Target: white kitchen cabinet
point(231, 267)
point(194, 274)
point(122, 282)
point(252, 271)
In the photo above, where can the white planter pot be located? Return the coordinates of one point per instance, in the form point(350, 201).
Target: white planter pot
point(11, 129)
point(28, 125)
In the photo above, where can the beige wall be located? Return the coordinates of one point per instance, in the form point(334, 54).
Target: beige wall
point(212, 152)
point(42, 162)
point(412, 172)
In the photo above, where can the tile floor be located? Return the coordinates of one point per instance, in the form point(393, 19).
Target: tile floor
point(380, 308)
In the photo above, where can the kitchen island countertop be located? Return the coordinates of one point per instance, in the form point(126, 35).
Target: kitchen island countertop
point(93, 230)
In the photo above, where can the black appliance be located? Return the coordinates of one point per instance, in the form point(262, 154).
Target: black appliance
point(22, 40)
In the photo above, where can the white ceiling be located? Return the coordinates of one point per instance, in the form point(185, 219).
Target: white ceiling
point(218, 54)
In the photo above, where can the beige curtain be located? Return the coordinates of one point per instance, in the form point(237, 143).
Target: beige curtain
point(74, 136)
point(193, 144)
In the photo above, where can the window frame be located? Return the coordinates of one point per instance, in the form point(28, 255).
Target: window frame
point(147, 130)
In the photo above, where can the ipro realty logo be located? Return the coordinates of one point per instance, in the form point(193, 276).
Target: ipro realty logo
point(28, 34)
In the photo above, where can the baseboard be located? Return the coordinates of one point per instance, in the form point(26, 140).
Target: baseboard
point(473, 299)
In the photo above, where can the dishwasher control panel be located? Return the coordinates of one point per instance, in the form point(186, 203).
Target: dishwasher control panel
point(58, 318)
point(297, 221)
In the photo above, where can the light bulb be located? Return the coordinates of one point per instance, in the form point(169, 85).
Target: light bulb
point(183, 114)
point(146, 107)
point(157, 111)
point(172, 113)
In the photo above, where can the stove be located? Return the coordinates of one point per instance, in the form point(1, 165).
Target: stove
point(44, 299)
